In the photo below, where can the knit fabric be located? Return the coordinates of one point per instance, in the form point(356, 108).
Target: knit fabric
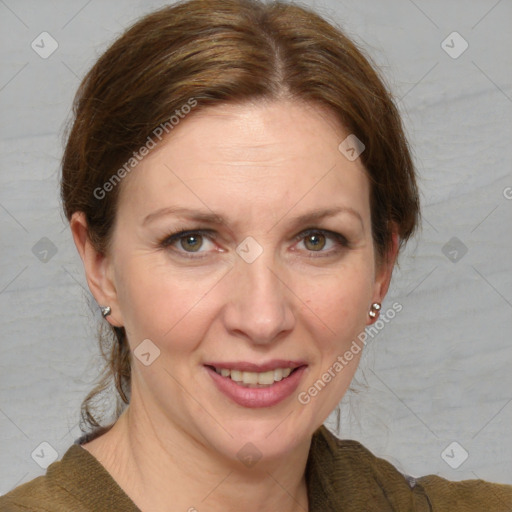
point(341, 476)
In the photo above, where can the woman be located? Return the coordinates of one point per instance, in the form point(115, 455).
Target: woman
point(238, 186)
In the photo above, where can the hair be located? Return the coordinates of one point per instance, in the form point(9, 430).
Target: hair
point(217, 52)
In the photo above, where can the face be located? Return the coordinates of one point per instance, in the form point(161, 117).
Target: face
point(243, 251)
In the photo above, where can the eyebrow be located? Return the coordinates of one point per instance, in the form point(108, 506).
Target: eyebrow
point(213, 218)
point(202, 216)
point(320, 214)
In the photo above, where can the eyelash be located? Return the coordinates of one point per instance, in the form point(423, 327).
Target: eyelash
point(180, 233)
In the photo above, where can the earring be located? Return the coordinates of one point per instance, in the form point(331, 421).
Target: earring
point(105, 311)
point(374, 310)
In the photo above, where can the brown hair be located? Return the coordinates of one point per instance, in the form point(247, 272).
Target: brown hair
point(218, 51)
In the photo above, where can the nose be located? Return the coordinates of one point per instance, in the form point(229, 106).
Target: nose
point(260, 306)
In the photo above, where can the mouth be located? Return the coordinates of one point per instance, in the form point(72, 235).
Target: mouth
point(251, 385)
point(250, 379)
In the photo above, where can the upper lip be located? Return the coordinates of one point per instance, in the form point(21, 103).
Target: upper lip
point(245, 366)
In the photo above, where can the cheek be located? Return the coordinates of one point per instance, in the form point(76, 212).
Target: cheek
point(159, 303)
point(339, 300)
point(176, 306)
point(337, 309)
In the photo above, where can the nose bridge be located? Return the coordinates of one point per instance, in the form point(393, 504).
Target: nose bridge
point(262, 283)
point(260, 306)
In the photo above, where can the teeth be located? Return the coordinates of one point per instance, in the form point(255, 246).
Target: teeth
point(254, 379)
point(265, 377)
point(250, 377)
point(236, 375)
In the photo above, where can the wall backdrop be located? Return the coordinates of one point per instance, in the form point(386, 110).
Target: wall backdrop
point(434, 390)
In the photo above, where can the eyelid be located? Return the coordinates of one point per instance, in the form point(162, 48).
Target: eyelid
point(339, 239)
point(171, 238)
point(179, 233)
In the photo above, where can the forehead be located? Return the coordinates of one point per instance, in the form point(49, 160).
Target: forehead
point(271, 155)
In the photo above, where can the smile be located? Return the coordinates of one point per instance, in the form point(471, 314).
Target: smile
point(245, 385)
point(255, 379)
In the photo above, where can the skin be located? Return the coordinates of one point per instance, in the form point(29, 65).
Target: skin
point(260, 166)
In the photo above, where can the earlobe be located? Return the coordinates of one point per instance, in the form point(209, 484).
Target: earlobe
point(383, 276)
point(96, 267)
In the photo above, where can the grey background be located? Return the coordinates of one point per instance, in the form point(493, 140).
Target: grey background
point(438, 373)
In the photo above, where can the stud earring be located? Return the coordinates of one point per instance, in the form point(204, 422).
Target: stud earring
point(374, 310)
point(105, 311)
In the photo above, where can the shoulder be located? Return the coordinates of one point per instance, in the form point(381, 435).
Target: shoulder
point(49, 492)
point(346, 471)
point(467, 495)
point(344, 475)
point(78, 482)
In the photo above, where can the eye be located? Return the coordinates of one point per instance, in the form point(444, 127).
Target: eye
point(322, 241)
point(195, 243)
point(188, 242)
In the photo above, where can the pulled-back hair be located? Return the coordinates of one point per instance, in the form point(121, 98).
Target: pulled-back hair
point(213, 52)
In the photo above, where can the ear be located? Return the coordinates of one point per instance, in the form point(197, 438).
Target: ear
point(384, 271)
point(97, 268)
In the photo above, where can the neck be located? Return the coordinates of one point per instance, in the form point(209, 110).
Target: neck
point(155, 470)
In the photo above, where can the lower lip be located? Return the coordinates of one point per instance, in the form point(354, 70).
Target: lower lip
point(257, 397)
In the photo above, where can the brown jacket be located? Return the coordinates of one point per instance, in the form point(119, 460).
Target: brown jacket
point(341, 476)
